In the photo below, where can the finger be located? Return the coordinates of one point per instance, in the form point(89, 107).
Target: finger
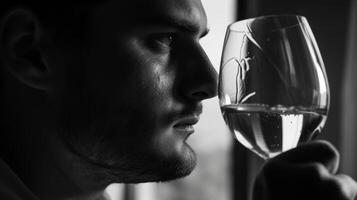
point(308, 173)
point(347, 185)
point(280, 180)
point(316, 151)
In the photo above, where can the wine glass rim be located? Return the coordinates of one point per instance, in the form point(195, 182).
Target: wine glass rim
point(300, 20)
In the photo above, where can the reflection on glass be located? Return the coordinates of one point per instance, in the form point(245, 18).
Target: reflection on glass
point(273, 88)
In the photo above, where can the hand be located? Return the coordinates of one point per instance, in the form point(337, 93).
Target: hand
point(304, 173)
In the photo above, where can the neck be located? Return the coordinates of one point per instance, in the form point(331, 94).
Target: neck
point(52, 173)
point(30, 147)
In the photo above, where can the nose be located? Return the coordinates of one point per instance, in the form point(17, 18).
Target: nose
point(200, 79)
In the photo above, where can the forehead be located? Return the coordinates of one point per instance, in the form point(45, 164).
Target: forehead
point(189, 8)
point(132, 11)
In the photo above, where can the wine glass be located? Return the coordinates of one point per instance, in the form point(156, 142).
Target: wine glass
point(273, 89)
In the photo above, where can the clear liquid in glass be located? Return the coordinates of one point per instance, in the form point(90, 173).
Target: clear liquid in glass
point(270, 130)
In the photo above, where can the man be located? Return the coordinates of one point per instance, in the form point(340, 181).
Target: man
point(99, 92)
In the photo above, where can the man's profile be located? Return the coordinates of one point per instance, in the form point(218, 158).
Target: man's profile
point(101, 92)
point(116, 91)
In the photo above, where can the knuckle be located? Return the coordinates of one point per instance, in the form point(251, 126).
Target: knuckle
point(328, 150)
point(317, 171)
point(335, 189)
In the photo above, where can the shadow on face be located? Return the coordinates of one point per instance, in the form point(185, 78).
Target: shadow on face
point(125, 96)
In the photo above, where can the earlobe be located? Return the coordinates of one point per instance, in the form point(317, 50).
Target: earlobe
point(21, 51)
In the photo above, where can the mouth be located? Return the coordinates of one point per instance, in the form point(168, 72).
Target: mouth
point(186, 124)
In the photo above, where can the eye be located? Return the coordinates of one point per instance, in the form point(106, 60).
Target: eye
point(165, 39)
point(161, 41)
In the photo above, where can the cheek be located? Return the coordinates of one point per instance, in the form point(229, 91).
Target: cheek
point(132, 93)
point(152, 89)
point(143, 108)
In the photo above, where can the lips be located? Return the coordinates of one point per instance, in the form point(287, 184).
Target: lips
point(186, 124)
point(186, 118)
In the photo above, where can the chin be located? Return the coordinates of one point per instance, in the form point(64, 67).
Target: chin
point(166, 161)
point(171, 168)
point(179, 168)
point(157, 168)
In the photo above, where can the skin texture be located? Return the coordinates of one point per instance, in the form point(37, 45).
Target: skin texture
point(306, 172)
point(80, 113)
point(111, 106)
point(142, 76)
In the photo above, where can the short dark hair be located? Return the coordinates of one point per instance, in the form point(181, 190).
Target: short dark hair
point(68, 17)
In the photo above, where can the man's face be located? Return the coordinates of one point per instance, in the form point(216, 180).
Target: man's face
point(143, 77)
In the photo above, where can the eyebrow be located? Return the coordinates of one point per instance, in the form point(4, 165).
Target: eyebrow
point(180, 24)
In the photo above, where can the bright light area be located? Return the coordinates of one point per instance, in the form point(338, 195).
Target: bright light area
point(292, 129)
point(211, 128)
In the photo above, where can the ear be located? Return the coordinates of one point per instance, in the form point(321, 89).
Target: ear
point(22, 50)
